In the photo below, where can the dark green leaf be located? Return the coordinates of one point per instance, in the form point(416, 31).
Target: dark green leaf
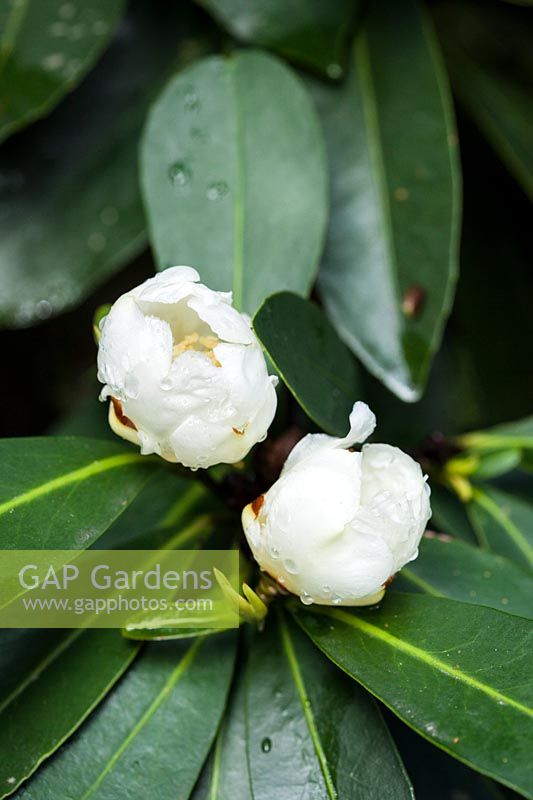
point(458, 674)
point(310, 32)
point(45, 50)
point(234, 177)
point(503, 523)
point(54, 698)
point(311, 732)
point(449, 515)
point(462, 572)
point(70, 206)
point(63, 493)
point(226, 774)
point(487, 48)
point(390, 265)
point(306, 351)
point(152, 734)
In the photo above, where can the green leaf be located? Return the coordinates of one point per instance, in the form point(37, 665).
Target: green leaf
point(63, 493)
point(449, 515)
point(390, 265)
point(516, 435)
point(462, 572)
point(45, 50)
point(226, 774)
point(314, 363)
point(72, 213)
point(487, 48)
point(458, 674)
point(299, 708)
point(503, 523)
point(310, 32)
point(234, 177)
point(51, 701)
point(152, 734)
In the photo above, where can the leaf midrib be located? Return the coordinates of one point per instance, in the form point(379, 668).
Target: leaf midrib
point(238, 196)
point(492, 508)
point(82, 473)
point(306, 707)
point(37, 670)
point(171, 682)
point(424, 656)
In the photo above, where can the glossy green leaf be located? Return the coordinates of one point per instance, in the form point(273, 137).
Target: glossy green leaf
point(310, 32)
point(70, 206)
point(45, 50)
point(313, 362)
point(226, 774)
point(234, 177)
point(503, 523)
point(311, 732)
point(52, 700)
point(152, 734)
point(449, 515)
point(487, 48)
point(458, 674)
point(462, 572)
point(493, 465)
point(390, 265)
point(63, 493)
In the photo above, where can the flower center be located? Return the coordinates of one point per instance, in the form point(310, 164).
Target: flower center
point(202, 344)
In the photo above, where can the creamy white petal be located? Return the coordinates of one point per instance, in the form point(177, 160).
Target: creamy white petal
point(338, 524)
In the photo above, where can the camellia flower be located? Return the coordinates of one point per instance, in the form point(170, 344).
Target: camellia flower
point(185, 372)
point(338, 524)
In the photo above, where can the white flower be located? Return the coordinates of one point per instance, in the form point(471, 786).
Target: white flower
point(185, 373)
point(338, 524)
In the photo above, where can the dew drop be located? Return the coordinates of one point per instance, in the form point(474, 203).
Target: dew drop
point(326, 589)
point(217, 190)
point(306, 598)
point(99, 27)
point(96, 242)
point(266, 745)
point(191, 102)
point(274, 552)
point(334, 70)
point(131, 386)
point(179, 174)
point(53, 61)
point(290, 566)
point(166, 384)
point(336, 600)
point(67, 11)
point(43, 309)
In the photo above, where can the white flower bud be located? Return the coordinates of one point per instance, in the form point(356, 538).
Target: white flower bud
point(338, 524)
point(185, 373)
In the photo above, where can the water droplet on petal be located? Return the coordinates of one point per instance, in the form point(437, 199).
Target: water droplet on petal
point(266, 745)
point(166, 384)
point(274, 552)
point(290, 566)
point(326, 589)
point(306, 598)
point(131, 386)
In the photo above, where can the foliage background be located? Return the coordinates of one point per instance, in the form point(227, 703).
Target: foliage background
point(58, 173)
